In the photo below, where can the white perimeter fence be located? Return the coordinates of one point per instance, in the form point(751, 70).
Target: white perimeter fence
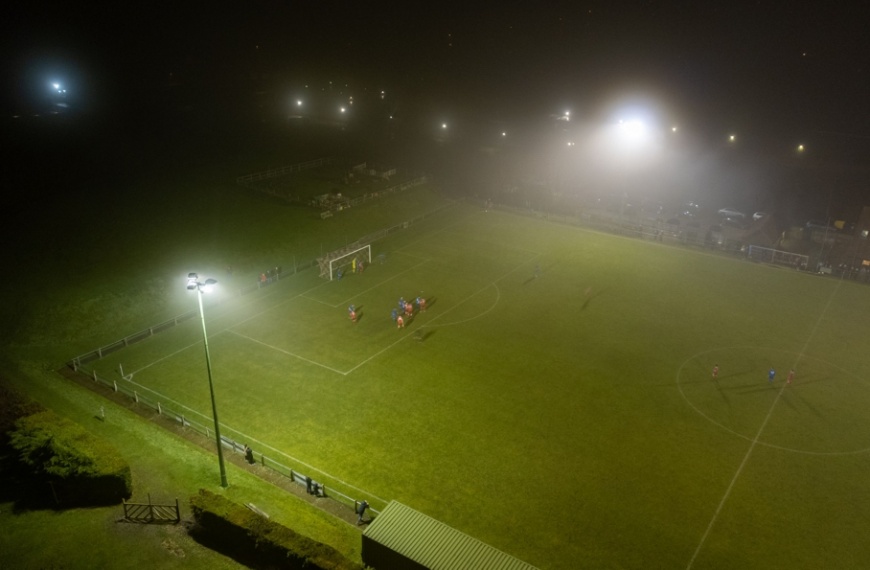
point(312, 486)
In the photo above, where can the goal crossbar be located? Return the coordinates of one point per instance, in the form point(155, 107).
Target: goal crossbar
point(779, 257)
point(332, 262)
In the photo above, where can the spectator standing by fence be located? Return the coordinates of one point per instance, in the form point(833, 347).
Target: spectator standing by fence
point(361, 510)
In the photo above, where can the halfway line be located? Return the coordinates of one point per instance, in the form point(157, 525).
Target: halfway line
point(758, 434)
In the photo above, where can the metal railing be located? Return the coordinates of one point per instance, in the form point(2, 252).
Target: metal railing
point(248, 179)
point(299, 477)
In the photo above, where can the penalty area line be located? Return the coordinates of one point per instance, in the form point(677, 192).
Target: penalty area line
point(168, 356)
point(288, 353)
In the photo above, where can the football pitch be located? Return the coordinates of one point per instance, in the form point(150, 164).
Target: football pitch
point(556, 399)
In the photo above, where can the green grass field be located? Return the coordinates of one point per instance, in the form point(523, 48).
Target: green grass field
point(569, 419)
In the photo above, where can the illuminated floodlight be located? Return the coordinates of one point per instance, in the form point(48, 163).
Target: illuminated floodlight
point(298, 102)
point(632, 127)
point(443, 125)
point(571, 143)
point(800, 148)
point(732, 138)
point(56, 85)
point(673, 129)
point(343, 109)
point(504, 134)
point(194, 284)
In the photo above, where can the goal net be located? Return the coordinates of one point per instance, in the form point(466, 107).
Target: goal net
point(769, 255)
point(343, 261)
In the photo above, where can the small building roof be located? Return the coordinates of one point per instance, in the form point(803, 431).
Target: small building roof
point(432, 544)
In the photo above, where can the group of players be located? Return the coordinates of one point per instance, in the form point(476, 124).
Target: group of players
point(401, 315)
point(406, 310)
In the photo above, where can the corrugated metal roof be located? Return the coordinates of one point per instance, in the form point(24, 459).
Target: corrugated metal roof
point(434, 544)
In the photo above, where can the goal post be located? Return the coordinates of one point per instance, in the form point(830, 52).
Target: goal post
point(779, 257)
point(342, 259)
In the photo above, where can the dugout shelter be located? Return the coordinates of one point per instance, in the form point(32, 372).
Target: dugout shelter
point(403, 538)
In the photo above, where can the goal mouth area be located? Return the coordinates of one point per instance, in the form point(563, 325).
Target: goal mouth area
point(776, 256)
point(334, 264)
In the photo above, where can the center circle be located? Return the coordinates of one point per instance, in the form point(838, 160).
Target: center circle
point(818, 413)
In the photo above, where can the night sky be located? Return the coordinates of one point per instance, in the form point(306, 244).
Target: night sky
point(777, 73)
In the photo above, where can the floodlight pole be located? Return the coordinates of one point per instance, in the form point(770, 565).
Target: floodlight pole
point(217, 429)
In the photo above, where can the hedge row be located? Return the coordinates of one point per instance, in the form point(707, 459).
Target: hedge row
point(242, 533)
point(81, 468)
point(13, 406)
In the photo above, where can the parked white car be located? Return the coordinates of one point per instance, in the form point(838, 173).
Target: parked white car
point(732, 213)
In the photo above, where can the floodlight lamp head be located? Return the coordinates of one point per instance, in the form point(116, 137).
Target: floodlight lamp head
point(191, 281)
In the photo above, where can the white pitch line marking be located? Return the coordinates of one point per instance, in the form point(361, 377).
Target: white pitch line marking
point(758, 434)
point(162, 398)
point(288, 353)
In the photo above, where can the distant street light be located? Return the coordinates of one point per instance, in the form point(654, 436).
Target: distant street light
point(193, 283)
